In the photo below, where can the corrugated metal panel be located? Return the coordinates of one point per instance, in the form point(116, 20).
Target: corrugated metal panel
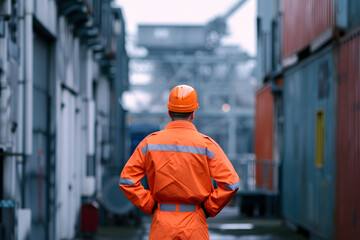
point(268, 37)
point(348, 144)
point(304, 21)
point(308, 191)
point(264, 135)
point(70, 155)
point(353, 13)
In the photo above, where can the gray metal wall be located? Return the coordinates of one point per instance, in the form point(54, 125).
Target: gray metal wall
point(269, 37)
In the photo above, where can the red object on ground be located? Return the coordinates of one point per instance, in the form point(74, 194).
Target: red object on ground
point(89, 217)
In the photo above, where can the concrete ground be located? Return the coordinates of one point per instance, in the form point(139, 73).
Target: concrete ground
point(226, 226)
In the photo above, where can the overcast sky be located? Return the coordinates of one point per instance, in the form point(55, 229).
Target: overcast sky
point(241, 24)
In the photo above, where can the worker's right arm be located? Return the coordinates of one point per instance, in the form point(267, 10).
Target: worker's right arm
point(222, 171)
point(130, 183)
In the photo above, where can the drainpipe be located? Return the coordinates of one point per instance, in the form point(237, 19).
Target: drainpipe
point(29, 4)
point(28, 64)
point(21, 82)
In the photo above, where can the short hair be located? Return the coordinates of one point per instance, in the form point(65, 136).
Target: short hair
point(179, 115)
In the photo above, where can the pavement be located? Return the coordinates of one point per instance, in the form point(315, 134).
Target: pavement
point(228, 225)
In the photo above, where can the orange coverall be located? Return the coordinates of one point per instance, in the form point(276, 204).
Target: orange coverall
point(179, 163)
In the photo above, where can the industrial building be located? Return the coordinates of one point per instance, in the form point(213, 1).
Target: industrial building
point(286, 118)
point(63, 65)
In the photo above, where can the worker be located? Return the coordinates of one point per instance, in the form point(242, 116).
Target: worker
point(179, 163)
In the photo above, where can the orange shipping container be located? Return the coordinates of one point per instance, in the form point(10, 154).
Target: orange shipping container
point(264, 137)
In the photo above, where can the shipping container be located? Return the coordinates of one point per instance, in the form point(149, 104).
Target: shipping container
point(264, 136)
point(305, 21)
point(348, 136)
point(308, 180)
point(353, 17)
point(307, 25)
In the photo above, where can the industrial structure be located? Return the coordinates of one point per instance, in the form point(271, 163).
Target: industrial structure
point(308, 57)
point(66, 131)
point(191, 54)
point(63, 65)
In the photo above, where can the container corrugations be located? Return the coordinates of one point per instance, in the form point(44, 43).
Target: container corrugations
point(353, 14)
point(308, 190)
point(264, 136)
point(304, 21)
point(348, 140)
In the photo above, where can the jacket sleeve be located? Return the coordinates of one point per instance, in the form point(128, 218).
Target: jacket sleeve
point(228, 183)
point(130, 183)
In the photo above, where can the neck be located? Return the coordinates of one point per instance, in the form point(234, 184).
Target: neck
point(181, 119)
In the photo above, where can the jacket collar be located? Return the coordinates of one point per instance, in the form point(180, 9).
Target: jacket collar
point(181, 124)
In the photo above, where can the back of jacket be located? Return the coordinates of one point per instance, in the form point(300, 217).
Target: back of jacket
point(179, 163)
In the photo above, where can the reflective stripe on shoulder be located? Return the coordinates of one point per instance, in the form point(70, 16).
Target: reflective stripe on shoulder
point(124, 181)
point(232, 187)
point(178, 148)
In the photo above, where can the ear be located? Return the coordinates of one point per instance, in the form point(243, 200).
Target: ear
point(169, 115)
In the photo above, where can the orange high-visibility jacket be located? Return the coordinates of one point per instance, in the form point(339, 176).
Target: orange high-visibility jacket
point(179, 163)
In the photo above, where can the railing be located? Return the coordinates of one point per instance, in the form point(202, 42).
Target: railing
point(256, 176)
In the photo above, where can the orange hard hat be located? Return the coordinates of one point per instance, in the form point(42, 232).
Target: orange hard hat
point(183, 98)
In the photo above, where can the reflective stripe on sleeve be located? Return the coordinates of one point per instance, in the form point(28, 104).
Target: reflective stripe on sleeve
point(178, 148)
point(232, 187)
point(144, 149)
point(124, 181)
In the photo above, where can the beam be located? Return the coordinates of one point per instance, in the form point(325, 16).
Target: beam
point(199, 59)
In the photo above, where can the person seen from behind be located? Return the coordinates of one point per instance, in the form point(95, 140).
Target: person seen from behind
point(179, 163)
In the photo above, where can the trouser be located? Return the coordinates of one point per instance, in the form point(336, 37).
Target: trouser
point(178, 221)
